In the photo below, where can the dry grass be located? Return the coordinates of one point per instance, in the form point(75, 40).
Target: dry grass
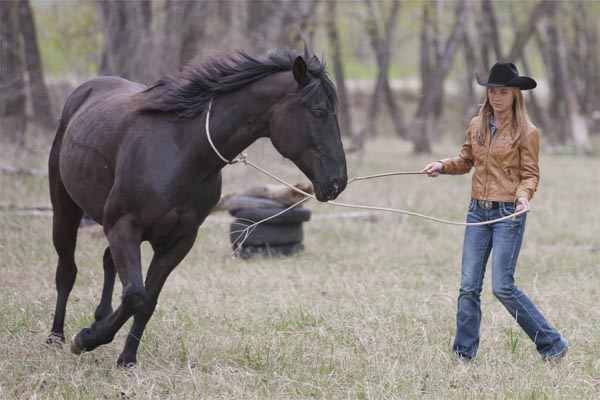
point(366, 311)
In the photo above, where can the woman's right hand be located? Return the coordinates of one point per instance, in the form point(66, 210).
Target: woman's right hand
point(434, 169)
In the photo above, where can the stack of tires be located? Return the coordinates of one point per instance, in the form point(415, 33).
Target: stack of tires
point(280, 235)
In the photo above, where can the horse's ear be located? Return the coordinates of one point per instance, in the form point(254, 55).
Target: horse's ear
point(300, 71)
point(314, 62)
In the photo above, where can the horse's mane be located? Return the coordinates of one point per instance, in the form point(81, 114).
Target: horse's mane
point(188, 94)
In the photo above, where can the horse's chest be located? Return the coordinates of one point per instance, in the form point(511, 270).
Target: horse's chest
point(187, 213)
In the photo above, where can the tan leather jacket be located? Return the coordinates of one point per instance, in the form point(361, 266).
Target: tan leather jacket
point(505, 169)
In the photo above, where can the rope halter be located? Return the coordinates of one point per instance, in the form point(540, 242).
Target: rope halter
point(242, 156)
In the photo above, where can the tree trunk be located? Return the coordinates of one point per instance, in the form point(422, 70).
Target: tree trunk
point(40, 99)
point(171, 44)
point(308, 19)
point(420, 136)
point(194, 30)
point(536, 109)
point(425, 48)
point(471, 107)
point(523, 34)
point(491, 36)
point(12, 85)
point(183, 32)
point(345, 119)
point(438, 48)
point(586, 48)
point(557, 114)
point(128, 40)
point(273, 23)
point(381, 47)
point(373, 33)
point(578, 127)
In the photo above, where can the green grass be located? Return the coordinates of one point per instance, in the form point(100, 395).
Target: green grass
point(366, 311)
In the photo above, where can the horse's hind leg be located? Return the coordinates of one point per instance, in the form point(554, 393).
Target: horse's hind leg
point(65, 223)
point(124, 239)
point(105, 306)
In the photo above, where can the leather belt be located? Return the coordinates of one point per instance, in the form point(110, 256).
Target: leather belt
point(488, 205)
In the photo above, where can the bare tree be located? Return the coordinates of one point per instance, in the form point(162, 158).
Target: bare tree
point(275, 23)
point(40, 99)
point(577, 124)
point(471, 106)
point(557, 128)
point(345, 119)
point(431, 51)
point(127, 40)
point(183, 33)
point(490, 35)
point(381, 43)
point(12, 85)
point(586, 47)
point(536, 109)
point(522, 35)
point(420, 129)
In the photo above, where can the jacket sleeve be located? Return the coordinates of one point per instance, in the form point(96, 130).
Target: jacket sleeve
point(465, 160)
point(530, 171)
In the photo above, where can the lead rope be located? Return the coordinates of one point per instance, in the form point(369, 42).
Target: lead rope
point(245, 160)
point(243, 157)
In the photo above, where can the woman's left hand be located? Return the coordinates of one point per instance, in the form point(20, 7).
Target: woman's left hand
point(522, 204)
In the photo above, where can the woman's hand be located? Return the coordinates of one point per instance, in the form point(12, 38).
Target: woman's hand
point(522, 204)
point(434, 169)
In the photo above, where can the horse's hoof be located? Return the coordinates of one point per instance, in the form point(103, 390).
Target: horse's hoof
point(76, 344)
point(126, 362)
point(55, 339)
point(130, 366)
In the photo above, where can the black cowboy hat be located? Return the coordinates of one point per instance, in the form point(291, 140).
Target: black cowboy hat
point(506, 74)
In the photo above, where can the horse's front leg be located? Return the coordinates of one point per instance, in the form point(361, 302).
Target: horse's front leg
point(124, 240)
point(166, 258)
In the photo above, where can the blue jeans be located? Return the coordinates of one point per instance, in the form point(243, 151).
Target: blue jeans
point(504, 238)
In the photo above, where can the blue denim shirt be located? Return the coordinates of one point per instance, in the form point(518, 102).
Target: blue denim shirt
point(492, 128)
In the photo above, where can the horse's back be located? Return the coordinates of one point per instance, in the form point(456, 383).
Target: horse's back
point(105, 91)
point(93, 120)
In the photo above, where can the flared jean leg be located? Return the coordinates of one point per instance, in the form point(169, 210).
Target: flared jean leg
point(507, 238)
point(476, 251)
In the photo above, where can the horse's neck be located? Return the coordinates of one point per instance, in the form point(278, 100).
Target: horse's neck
point(238, 119)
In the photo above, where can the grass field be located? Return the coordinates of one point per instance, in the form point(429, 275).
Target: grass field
point(365, 312)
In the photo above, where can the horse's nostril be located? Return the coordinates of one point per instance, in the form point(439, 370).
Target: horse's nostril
point(335, 184)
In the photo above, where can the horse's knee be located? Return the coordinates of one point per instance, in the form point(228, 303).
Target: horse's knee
point(503, 293)
point(133, 298)
point(66, 273)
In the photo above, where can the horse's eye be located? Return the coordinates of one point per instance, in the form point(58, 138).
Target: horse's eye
point(318, 114)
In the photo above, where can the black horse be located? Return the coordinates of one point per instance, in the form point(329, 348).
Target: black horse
point(138, 160)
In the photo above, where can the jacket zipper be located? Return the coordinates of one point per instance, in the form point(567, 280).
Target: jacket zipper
point(487, 157)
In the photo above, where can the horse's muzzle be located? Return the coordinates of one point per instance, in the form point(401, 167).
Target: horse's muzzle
point(331, 191)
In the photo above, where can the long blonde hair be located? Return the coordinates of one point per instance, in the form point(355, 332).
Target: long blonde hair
point(521, 120)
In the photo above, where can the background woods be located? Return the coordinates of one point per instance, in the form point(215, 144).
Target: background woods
point(401, 67)
point(367, 310)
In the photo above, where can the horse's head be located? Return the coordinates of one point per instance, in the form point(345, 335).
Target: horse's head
point(305, 129)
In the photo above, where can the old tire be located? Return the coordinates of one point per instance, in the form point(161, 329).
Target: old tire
point(265, 234)
point(246, 252)
point(295, 215)
point(237, 203)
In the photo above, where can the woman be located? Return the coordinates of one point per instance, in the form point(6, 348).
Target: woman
point(502, 144)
